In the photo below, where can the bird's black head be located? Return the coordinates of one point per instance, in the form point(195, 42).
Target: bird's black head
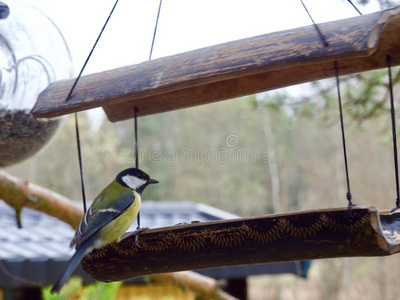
point(134, 179)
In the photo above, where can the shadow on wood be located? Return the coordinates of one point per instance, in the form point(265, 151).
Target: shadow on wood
point(232, 69)
point(275, 238)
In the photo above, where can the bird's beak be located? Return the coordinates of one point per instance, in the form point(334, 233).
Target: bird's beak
point(151, 181)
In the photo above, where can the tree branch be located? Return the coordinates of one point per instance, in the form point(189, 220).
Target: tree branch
point(18, 193)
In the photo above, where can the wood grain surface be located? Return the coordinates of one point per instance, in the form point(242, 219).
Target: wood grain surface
point(231, 69)
point(275, 238)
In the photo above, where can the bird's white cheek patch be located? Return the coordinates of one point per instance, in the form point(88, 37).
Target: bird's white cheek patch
point(133, 182)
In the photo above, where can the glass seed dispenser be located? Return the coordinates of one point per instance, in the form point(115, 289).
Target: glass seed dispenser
point(33, 53)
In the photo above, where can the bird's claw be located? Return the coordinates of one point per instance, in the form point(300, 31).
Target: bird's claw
point(186, 223)
point(136, 234)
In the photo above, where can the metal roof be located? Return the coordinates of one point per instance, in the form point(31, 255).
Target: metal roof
point(38, 250)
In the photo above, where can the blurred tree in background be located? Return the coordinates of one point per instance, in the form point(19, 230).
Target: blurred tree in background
point(260, 154)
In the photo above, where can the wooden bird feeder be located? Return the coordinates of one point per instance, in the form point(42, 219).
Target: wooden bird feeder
point(222, 72)
point(275, 238)
point(233, 69)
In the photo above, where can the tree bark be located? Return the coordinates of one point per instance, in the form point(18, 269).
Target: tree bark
point(19, 193)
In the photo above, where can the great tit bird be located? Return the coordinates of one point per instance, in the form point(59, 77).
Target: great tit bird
point(108, 218)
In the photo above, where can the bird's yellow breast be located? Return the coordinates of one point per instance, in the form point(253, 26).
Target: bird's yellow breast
point(114, 230)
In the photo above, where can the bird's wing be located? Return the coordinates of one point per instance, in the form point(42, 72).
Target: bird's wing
point(98, 216)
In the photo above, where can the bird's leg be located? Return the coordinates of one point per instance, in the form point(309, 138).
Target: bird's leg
point(138, 220)
point(138, 230)
point(136, 234)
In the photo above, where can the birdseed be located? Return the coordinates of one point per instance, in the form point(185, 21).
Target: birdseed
point(22, 135)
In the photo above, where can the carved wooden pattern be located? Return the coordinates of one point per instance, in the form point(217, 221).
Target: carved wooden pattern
point(275, 238)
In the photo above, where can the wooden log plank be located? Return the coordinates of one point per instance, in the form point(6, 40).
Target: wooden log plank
point(231, 69)
point(275, 238)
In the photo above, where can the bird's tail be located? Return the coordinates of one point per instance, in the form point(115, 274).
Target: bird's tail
point(71, 266)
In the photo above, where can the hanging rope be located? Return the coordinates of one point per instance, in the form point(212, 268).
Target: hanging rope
point(78, 144)
point(393, 117)
point(355, 7)
point(348, 194)
point(155, 30)
point(91, 52)
point(78, 141)
point(135, 111)
point(321, 36)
